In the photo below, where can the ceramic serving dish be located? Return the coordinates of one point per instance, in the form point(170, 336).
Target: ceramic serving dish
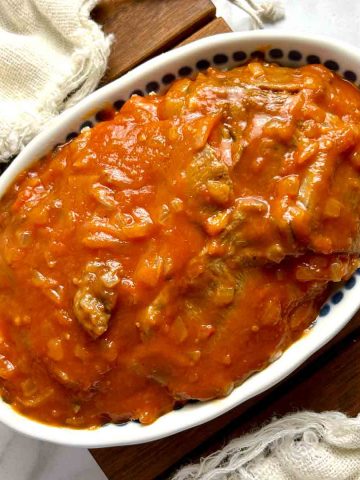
point(223, 51)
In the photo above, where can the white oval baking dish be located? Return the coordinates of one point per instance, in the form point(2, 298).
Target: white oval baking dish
point(224, 51)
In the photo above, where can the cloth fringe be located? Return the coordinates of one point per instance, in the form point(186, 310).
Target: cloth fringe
point(267, 11)
point(300, 446)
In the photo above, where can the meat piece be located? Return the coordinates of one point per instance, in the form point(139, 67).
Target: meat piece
point(327, 200)
point(245, 225)
point(210, 321)
point(208, 184)
point(96, 297)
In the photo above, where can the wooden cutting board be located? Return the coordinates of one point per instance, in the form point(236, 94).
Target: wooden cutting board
point(145, 28)
point(328, 381)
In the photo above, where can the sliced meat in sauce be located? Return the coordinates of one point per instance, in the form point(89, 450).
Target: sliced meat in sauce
point(171, 251)
point(96, 296)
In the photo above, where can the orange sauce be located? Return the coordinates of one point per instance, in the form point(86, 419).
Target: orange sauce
point(168, 253)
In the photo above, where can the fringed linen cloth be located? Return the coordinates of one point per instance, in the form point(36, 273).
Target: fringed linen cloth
point(51, 55)
point(300, 446)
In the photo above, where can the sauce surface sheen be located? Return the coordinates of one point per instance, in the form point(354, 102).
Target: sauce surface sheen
point(171, 251)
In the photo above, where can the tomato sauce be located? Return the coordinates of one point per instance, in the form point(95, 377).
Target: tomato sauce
point(171, 251)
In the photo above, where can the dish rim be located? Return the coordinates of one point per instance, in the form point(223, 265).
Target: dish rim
point(292, 358)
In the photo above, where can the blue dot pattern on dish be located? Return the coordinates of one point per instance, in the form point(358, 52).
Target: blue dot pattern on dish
point(331, 65)
point(137, 92)
point(220, 58)
point(202, 64)
point(87, 124)
point(325, 309)
point(258, 55)
point(239, 56)
point(350, 283)
point(313, 59)
point(337, 297)
point(70, 136)
point(350, 75)
point(104, 115)
point(294, 55)
point(185, 71)
point(152, 87)
point(118, 104)
point(276, 53)
point(168, 78)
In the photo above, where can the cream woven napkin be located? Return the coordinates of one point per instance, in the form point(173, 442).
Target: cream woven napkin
point(51, 55)
point(301, 446)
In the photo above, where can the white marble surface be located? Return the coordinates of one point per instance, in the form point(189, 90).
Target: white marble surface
point(26, 459)
point(337, 18)
point(22, 458)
